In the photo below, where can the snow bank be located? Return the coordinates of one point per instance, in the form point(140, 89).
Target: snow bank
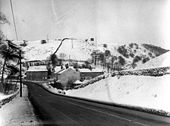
point(2, 96)
point(6, 98)
point(142, 91)
point(51, 89)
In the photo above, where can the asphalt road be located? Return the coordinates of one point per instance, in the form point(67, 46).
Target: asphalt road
point(64, 111)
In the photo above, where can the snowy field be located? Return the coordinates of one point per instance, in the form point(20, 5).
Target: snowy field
point(142, 91)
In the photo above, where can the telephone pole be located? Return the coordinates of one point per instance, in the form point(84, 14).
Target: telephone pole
point(13, 17)
point(20, 57)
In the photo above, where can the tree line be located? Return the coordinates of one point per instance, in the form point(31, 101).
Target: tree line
point(9, 52)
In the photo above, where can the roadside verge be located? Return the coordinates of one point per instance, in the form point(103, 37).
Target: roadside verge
point(8, 98)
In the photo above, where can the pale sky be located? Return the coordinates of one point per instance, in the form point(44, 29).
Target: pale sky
point(109, 21)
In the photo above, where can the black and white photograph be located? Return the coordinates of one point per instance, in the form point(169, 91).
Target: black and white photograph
point(84, 62)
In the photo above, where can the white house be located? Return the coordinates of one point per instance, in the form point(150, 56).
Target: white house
point(68, 76)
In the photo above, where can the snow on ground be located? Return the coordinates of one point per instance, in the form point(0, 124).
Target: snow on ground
point(18, 112)
point(73, 49)
point(160, 61)
point(2, 96)
point(142, 91)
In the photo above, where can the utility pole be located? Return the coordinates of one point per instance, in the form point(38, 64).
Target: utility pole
point(20, 73)
point(72, 43)
point(13, 17)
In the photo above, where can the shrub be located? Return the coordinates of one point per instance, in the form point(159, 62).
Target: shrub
point(107, 53)
point(121, 60)
point(145, 60)
point(122, 50)
point(136, 59)
point(131, 45)
point(24, 43)
point(105, 45)
point(54, 59)
point(43, 41)
point(131, 54)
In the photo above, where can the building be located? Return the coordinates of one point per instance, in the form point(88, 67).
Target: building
point(39, 63)
point(67, 77)
point(37, 73)
point(86, 74)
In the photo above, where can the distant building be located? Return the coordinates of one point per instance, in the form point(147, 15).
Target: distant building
point(40, 62)
point(86, 74)
point(37, 73)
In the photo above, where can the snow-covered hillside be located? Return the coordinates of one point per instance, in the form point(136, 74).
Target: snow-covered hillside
point(160, 61)
point(126, 56)
point(135, 55)
point(70, 49)
point(142, 91)
point(130, 56)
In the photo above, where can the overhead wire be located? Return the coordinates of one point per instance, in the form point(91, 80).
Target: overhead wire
point(13, 17)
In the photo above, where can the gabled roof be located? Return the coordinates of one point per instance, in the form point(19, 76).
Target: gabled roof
point(64, 70)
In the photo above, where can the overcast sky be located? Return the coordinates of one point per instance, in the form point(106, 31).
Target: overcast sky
point(109, 21)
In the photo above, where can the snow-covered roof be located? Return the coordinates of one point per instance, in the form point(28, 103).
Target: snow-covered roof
point(69, 69)
point(101, 49)
point(88, 70)
point(57, 69)
point(37, 68)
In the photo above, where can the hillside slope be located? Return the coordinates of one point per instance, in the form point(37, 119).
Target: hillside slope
point(77, 49)
point(160, 61)
point(155, 49)
point(141, 91)
point(129, 56)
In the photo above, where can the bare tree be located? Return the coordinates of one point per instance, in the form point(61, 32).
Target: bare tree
point(53, 57)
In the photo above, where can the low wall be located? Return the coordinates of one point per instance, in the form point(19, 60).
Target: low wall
point(8, 99)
